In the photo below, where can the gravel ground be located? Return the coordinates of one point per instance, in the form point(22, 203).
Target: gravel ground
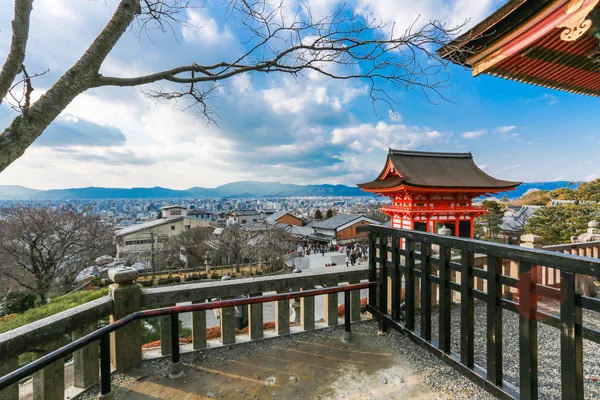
point(548, 350)
point(437, 377)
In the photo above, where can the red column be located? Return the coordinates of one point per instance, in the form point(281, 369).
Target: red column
point(456, 227)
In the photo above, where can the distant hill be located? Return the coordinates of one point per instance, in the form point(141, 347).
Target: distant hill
point(234, 189)
point(524, 187)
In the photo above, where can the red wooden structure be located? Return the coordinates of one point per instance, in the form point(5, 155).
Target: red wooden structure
point(550, 43)
point(430, 190)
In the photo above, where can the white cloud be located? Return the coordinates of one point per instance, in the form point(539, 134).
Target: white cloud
point(366, 137)
point(473, 134)
point(204, 29)
point(550, 98)
point(403, 13)
point(514, 166)
point(505, 129)
point(289, 96)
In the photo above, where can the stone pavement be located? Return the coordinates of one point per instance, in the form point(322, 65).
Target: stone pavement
point(311, 365)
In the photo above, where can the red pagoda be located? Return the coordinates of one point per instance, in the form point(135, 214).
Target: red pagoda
point(431, 190)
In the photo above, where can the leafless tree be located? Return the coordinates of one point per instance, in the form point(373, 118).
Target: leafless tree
point(342, 46)
point(192, 243)
point(272, 241)
point(48, 248)
point(233, 241)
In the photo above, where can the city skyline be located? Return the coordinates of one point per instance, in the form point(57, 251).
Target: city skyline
point(276, 128)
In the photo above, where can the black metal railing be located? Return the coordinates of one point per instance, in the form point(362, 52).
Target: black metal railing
point(103, 334)
point(392, 256)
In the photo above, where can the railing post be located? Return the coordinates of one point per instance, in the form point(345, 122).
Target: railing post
point(126, 342)
point(166, 347)
point(227, 324)
point(176, 368)
point(355, 304)
point(255, 323)
point(494, 321)
point(199, 328)
point(571, 343)
point(105, 357)
point(7, 366)
point(49, 382)
point(331, 309)
point(282, 317)
point(383, 283)
point(396, 279)
point(425, 291)
point(372, 270)
point(347, 338)
point(307, 312)
point(85, 361)
point(409, 294)
point(445, 300)
point(467, 309)
point(528, 336)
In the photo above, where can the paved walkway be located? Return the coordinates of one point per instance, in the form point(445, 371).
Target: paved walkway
point(311, 365)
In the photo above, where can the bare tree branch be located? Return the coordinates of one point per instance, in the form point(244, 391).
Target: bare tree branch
point(16, 54)
point(344, 46)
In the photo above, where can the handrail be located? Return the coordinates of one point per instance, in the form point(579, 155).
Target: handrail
point(569, 246)
point(564, 262)
point(434, 209)
point(101, 334)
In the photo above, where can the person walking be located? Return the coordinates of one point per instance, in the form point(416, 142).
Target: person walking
point(347, 261)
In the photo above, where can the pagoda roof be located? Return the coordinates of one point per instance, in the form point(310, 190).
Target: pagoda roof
point(434, 170)
point(549, 43)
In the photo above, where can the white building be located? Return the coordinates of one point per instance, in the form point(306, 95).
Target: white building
point(141, 241)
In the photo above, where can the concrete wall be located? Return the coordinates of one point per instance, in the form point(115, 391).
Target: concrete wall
point(290, 220)
point(159, 234)
point(350, 234)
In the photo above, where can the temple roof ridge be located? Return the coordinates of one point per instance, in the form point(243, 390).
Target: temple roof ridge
point(428, 153)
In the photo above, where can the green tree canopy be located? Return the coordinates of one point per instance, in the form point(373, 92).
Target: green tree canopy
point(329, 213)
point(589, 191)
point(318, 214)
point(563, 194)
point(488, 225)
point(557, 224)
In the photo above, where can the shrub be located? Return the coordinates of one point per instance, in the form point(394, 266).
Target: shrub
point(215, 276)
point(58, 304)
point(21, 301)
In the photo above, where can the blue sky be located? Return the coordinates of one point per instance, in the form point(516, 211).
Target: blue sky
point(276, 128)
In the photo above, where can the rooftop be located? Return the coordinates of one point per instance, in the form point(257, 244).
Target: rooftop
point(533, 41)
point(199, 212)
point(147, 225)
point(244, 212)
point(434, 170)
point(338, 220)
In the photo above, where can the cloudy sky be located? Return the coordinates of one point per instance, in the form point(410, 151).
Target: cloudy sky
point(278, 128)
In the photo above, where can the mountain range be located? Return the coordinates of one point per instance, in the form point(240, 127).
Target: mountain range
point(243, 189)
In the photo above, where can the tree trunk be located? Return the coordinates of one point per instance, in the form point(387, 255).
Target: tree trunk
point(26, 128)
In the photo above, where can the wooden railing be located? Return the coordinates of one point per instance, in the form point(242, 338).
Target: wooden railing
point(551, 276)
point(46, 336)
point(432, 209)
point(393, 258)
